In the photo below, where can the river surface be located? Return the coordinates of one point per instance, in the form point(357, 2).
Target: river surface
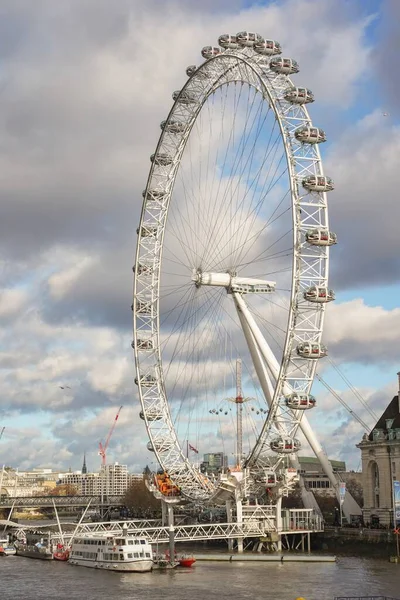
point(24, 578)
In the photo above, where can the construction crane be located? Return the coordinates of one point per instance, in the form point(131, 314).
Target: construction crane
point(103, 448)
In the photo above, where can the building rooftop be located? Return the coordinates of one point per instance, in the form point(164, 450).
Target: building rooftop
point(391, 417)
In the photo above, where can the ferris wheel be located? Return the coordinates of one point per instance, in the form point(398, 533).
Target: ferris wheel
point(232, 261)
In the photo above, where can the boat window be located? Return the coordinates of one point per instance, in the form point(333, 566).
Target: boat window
point(130, 542)
point(136, 555)
point(121, 557)
point(115, 556)
point(148, 554)
point(136, 541)
point(142, 541)
point(130, 555)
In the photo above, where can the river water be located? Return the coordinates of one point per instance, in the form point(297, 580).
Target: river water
point(24, 578)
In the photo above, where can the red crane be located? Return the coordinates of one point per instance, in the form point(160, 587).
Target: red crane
point(103, 449)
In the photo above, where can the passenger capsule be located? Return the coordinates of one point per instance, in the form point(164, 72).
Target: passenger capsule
point(267, 47)
point(152, 414)
point(143, 308)
point(321, 237)
point(201, 73)
point(298, 95)
point(247, 38)
point(318, 183)
point(160, 444)
point(210, 51)
point(319, 293)
point(228, 41)
point(268, 478)
point(284, 66)
point(146, 381)
point(143, 345)
point(161, 159)
point(184, 97)
point(298, 401)
point(172, 126)
point(141, 269)
point(147, 231)
point(285, 445)
point(310, 135)
point(154, 195)
point(311, 350)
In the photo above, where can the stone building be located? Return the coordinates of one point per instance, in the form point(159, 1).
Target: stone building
point(380, 456)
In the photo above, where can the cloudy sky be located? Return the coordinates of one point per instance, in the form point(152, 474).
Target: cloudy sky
point(84, 85)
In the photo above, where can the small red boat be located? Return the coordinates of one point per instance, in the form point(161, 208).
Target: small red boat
point(61, 553)
point(186, 561)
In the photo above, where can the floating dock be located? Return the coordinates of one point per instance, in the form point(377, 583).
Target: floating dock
point(281, 558)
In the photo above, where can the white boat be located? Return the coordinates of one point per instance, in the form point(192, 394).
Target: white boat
point(6, 549)
point(120, 552)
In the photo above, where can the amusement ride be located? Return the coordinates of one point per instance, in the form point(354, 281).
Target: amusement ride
point(232, 261)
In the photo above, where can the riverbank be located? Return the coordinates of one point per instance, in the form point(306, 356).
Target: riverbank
point(356, 542)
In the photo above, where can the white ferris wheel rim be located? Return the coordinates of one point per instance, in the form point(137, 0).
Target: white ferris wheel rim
point(305, 320)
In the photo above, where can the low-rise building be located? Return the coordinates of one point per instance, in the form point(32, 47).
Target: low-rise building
point(380, 456)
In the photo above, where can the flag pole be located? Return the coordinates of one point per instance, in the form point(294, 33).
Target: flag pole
point(187, 449)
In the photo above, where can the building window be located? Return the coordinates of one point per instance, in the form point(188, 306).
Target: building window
point(393, 467)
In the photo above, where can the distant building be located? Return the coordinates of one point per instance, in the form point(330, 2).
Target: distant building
point(380, 456)
point(314, 476)
point(214, 462)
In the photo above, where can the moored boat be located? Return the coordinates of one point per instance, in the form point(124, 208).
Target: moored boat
point(61, 552)
point(186, 561)
point(6, 549)
point(114, 553)
point(35, 545)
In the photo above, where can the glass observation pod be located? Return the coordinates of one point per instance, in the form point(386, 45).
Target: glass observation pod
point(321, 237)
point(311, 350)
point(319, 293)
point(267, 47)
point(210, 51)
point(153, 194)
point(160, 444)
point(318, 183)
point(172, 126)
point(298, 95)
point(147, 231)
point(142, 269)
point(151, 415)
point(146, 381)
point(201, 73)
point(300, 401)
point(228, 41)
point(285, 66)
point(161, 159)
point(285, 445)
point(247, 38)
point(143, 345)
point(267, 478)
point(310, 135)
point(184, 97)
point(143, 307)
